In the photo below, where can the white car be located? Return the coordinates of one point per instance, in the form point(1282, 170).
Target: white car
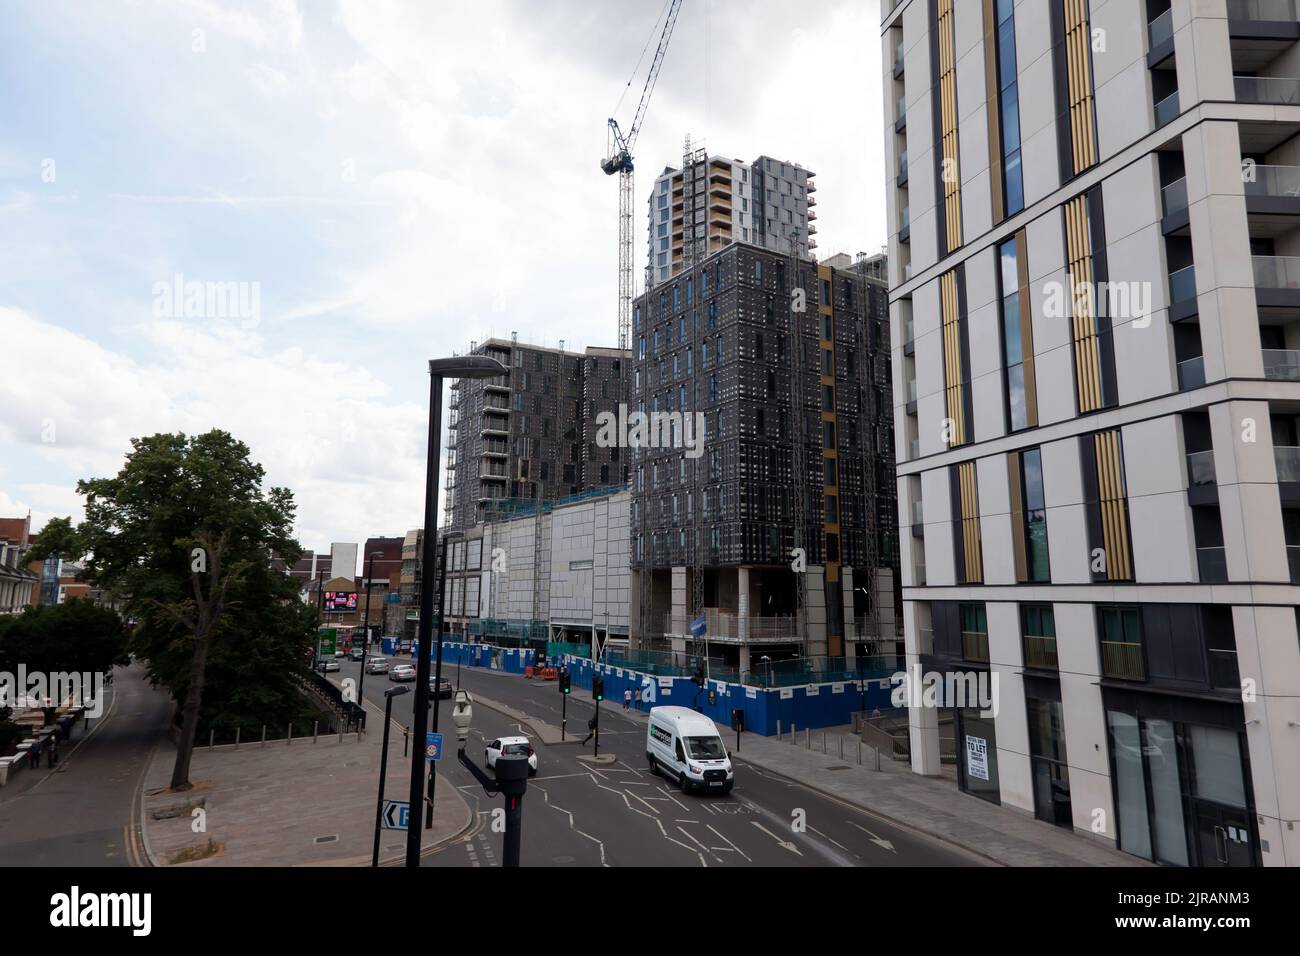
point(327, 664)
point(378, 665)
point(401, 672)
point(511, 745)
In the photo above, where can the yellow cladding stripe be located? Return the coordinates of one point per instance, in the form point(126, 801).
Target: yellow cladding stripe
point(1078, 64)
point(954, 386)
point(950, 169)
point(970, 522)
point(1026, 329)
point(1087, 358)
point(1112, 505)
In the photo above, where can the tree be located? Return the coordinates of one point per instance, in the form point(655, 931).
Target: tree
point(186, 533)
point(73, 636)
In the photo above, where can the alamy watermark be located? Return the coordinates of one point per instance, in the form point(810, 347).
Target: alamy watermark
point(52, 689)
point(181, 299)
point(683, 430)
point(961, 689)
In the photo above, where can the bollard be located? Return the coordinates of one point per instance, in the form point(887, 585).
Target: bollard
point(859, 751)
point(877, 749)
point(288, 735)
point(807, 738)
point(406, 739)
point(264, 735)
point(823, 741)
point(778, 730)
point(315, 729)
point(211, 736)
point(237, 730)
point(841, 748)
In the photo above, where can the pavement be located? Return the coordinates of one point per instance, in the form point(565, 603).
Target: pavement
point(308, 802)
point(922, 806)
point(84, 811)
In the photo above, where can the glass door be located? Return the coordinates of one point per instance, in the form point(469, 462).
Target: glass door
point(1223, 836)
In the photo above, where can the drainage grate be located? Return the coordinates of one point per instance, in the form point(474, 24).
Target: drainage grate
point(838, 766)
point(332, 838)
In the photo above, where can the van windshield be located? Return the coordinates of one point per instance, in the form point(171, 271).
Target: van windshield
point(706, 748)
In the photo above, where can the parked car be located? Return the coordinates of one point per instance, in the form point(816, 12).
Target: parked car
point(339, 652)
point(511, 745)
point(443, 688)
point(377, 665)
point(326, 665)
point(401, 672)
point(358, 652)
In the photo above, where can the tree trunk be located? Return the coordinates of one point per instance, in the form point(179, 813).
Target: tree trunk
point(190, 716)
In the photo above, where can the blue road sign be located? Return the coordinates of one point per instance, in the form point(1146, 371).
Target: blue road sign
point(698, 627)
point(433, 746)
point(396, 815)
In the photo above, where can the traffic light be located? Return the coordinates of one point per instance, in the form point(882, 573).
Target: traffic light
point(565, 682)
point(598, 688)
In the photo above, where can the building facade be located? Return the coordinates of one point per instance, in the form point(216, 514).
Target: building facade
point(523, 437)
point(768, 203)
point(1092, 208)
point(777, 435)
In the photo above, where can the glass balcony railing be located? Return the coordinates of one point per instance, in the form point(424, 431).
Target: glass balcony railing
point(1175, 196)
point(1282, 365)
point(1271, 180)
point(905, 218)
point(911, 390)
point(918, 512)
point(909, 331)
point(1200, 468)
point(1122, 660)
point(1191, 373)
point(1276, 272)
point(1161, 29)
point(902, 109)
point(1275, 10)
point(1286, 458)
point(1167, 109)
point(1212, 564)
point(914, 449)
point(1182, 284)
point(1266, 89)
point(1224, 674)
point(975, 646)
point(1040, 652)
point(902, 164)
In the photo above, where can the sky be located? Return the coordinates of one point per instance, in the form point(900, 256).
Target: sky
point(357, 186)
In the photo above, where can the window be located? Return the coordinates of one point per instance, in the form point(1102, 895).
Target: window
point(1122, 656)
point(1038, 629)
point(828, 398)
point(832, 510)
point(1028, 516)
point(967, 546)
point(1017, 335)
point(974, 633)
point(828, 435)
point(1106, 506)
point(1091, 340)
point(830, 477)
point(1004, 121)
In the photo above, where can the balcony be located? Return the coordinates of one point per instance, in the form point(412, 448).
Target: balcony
point(1175, 197)
point(1191, 373)
point(1161, 29)
point(914, 449)
point(911, 392)
point(1224, 674)
point(898, 59)
point(1293, 562)
point(1182, 285)
point(1200, 468)
point(1267, 89)
point(1281, 365)
point(900, 123)
point(975, 646)
point(1167, 109)
point(905, 225)
point(901, 179)
point(1286, 458)
point(1262, 11)
point(1122, 660)
point(1040, 652)
point(1212, 564)
point(1275, 182)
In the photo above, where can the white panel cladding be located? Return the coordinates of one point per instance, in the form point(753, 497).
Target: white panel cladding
point(995, 520)
point(1011, 723)
point(1160, 523)
point(939, 557)
point(1067, 530)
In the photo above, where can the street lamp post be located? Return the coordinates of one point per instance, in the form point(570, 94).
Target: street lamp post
point(320, 603)
point(397, 691)
point(468, 366)
point(437, 671)
point(365, 633)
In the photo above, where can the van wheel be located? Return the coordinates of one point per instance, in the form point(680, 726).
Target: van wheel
point(683, 782)
point(654, 764)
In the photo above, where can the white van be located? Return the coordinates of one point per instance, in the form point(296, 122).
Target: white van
point(685, 745)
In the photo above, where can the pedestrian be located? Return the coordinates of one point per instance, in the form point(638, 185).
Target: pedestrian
point(636, 698)
point(627, 698)
point(35, 755)
point(591, 730)
point(51, 754)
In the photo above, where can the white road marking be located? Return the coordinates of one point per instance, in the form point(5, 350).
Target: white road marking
point(830, 840)
point(729, 843)
point(884, 844)
point(786, 844)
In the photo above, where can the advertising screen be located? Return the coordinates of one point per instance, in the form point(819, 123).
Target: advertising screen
point(340, 600)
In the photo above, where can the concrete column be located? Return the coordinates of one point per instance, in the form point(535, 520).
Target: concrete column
point(816, 643)
point(923, 722)
point(1249, 503)
point(744, 659)
point(742, 608)
point(851, 635)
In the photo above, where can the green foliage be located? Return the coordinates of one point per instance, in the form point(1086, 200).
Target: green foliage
point(73, 636)
point(57, 539)
point(178, 501)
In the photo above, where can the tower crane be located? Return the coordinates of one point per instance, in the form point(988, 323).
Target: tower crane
point(619, 161)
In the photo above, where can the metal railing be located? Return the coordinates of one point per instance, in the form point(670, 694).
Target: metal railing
point(1266, 89)
point(1276, 272)
point(911, 390)
point(1282, 364)
point(1182, 284)
point(1286, 458)
point(918, 512)
point(1224, 673)
point(975, 646)
point(1122, 660)
point(1040, 651)
point(727, 625)
point(1212, 563)
point(1200, 468)
point(1174, 196)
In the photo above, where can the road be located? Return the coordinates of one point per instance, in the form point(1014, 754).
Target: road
point(85, 812)
point(579, 814)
